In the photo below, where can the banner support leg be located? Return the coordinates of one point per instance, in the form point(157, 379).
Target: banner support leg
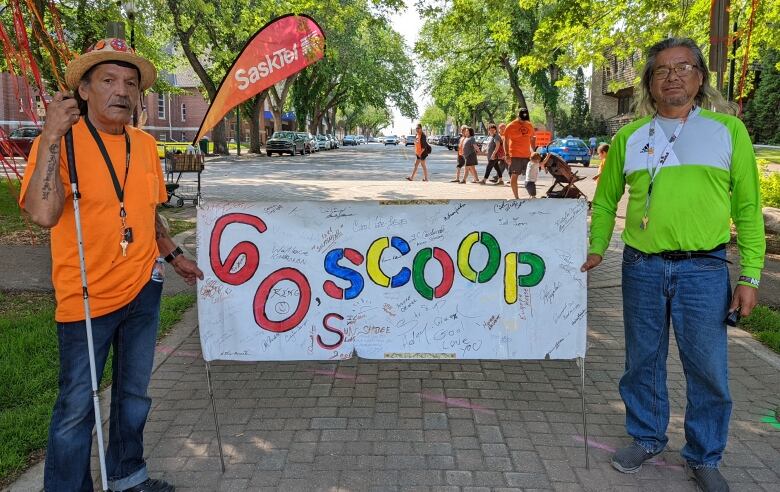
point(216, 418)
point(581, 363)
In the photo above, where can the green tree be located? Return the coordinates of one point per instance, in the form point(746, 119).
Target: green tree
point(434, 118)
point(365, 64)
point(579, 106)
point(761, 113)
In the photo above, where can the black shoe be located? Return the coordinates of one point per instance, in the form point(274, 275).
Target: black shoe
point(630, 458)
point(152, 485)
point(709, 479)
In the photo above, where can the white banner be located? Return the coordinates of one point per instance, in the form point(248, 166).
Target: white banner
point(472, 279)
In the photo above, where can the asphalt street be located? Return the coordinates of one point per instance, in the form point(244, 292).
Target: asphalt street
point(365, 172)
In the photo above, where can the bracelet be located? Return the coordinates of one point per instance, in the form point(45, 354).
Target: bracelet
point(752, 281)
point(173, 254)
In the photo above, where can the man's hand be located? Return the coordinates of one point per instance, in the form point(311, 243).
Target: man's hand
point(187, 269)
point(61, 114)
point(745, 298)
point(591, 262)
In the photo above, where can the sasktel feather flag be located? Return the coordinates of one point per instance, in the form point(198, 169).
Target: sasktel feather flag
point(283, 47)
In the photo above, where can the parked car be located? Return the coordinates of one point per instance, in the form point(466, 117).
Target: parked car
point(349, 140)
point(20, 141)
point(361, 139)
point(323, 142)
point(434, 139)
point(452, 142)
point(391, 140)
point(310, 144)
point(570, 149)
point(409, 140)
point(285, 143)
point(334, 141)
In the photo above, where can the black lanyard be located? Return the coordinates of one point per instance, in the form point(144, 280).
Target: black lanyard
point(120, 190)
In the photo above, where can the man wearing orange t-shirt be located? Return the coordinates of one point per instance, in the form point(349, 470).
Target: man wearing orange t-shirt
point(519, 143)
point(121, 184)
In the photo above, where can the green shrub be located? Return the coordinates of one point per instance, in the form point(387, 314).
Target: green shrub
point(770, 185)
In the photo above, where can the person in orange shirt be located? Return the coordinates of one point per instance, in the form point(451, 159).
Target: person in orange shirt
point(421, 151)
point(461, 159)
point(121, 184)
point(519, 143)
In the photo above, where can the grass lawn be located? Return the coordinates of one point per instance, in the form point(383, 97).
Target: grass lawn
point(13, 226)
point(764, 324)
point(28, 370)
point(772, 155)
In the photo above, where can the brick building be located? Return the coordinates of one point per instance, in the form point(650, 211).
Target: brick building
point(18, 100)
point(612, 90)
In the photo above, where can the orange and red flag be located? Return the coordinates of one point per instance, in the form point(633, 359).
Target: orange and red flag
point(283, 47)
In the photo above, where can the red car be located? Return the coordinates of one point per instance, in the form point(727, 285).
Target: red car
point(20, 141)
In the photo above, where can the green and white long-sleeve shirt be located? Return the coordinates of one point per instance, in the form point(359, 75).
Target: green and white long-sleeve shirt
point(709, 177)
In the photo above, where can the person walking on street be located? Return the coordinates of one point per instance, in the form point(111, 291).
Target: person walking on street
point(495, 153)
point(690, 172)
point(470, 152)
point(592, 145)
point(121, 183)
point(421, 151)
point(461, 159)
point(519, 142)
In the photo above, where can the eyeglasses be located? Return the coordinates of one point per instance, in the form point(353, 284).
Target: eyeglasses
point(682, 70)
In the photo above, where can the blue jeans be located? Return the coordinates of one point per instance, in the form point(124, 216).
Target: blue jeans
point(694, 294)
point(132, 330)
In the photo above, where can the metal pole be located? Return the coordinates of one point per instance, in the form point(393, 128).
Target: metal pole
point(216, 418)
point(238, 132)
point(581, 363)
point(74, 185)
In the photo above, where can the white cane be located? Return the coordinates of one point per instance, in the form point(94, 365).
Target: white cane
point(74, 185)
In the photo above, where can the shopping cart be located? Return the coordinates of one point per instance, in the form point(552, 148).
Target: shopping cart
point(177, 164)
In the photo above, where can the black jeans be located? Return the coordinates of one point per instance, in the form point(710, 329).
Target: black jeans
point(494, 164)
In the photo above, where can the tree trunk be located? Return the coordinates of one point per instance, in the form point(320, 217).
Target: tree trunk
point(254, 123)
point(277, 101)
point(514, 81)
point(554, 72)
point(184, 36)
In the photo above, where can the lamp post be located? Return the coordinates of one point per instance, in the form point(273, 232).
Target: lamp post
point(130, 10)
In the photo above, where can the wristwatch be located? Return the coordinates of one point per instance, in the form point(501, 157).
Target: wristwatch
point(173, 254)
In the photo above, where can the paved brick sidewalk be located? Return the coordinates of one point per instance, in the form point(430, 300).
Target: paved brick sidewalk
point(463, 425)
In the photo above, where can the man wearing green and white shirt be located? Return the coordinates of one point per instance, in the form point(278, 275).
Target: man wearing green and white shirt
point(689, 171)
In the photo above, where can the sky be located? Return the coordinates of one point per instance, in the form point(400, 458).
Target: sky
point(408, 23)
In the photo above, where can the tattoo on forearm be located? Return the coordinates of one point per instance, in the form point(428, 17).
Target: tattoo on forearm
point(51, 165)
point(160, 231)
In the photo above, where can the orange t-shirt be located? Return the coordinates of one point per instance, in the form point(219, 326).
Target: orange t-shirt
point(518, 135)
point(113, 280)
point(460, 145)
point(418, 145)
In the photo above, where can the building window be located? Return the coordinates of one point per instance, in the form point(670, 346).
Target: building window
point(183, 112)
point(21, 105)
point(163, 137)
point(161, 106)
point(624, 105)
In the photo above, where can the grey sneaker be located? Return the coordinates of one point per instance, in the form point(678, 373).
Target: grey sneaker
point(630, 458)
point(709, 479)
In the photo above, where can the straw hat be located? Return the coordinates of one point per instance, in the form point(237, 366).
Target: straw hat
point(109, 49)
